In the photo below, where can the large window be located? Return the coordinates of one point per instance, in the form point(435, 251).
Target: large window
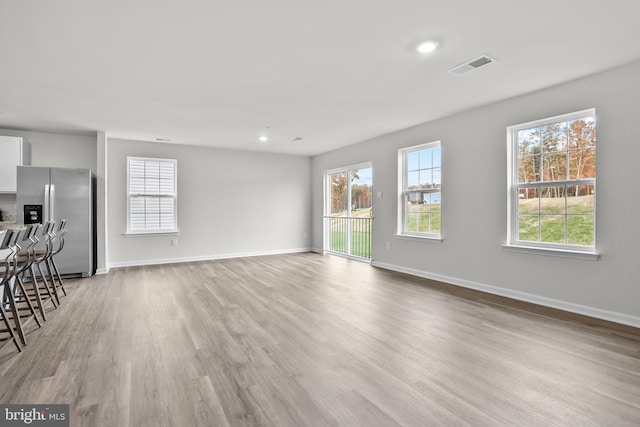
point(420, 191)
point(151, 186)
point(552, 182)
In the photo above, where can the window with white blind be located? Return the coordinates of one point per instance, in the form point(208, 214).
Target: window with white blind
point(152, 192)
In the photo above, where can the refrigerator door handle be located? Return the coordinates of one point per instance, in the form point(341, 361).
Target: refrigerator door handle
point(52, 203)
point(46, 204)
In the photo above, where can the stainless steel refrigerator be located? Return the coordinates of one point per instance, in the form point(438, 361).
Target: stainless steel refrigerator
point(52, 194)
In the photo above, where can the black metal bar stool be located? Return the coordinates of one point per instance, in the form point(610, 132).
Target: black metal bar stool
point(47, 291)
point(51, 265)
point(7, 302)
point(31, 255)
point(25, 249)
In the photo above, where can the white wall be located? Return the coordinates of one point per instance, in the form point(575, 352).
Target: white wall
point(102, 209)
point(229, 203)
point(54, 150)
point(474, 208)
point(59, 150)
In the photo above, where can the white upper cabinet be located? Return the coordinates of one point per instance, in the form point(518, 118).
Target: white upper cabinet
point(14, 152)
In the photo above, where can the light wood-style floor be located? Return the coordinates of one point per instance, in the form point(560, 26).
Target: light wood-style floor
point(306, 339)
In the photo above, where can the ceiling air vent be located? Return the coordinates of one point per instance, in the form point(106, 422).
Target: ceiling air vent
point(478, 62)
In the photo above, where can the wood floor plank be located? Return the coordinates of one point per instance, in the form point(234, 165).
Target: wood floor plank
point(314, 340)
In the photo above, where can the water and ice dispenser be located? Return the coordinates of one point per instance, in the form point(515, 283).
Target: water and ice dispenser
point(33, 214)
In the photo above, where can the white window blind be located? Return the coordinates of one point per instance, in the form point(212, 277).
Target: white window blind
point(151, 195)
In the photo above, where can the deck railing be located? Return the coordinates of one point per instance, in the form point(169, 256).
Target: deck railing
point(348, 235)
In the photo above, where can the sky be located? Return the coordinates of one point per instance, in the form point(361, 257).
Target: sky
point(365, 177)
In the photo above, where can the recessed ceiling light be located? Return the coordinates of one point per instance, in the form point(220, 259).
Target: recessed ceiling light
point(263, 135)
point(426, 46)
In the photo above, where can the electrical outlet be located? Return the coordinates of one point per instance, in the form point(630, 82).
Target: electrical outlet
point(174, 242)
point(388, 246)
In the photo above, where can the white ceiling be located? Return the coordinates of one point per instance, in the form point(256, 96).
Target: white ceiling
point(212, 72)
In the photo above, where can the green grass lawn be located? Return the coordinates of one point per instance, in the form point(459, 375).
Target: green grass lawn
point(549, 227)
point(360, 243)
point(424, 218)
point(360, 233)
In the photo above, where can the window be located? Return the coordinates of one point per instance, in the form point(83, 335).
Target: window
point(151, 206)
point(552, 183)
point(420, 199)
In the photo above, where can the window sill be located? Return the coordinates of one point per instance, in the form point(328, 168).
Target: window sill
point(430, 239)
point(152, 234)
point(562, 253)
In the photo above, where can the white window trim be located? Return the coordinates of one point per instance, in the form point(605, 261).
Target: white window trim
point(540, 248)
point(401, 222)
point(562, 253)
point(419, 238)
point(174, 231)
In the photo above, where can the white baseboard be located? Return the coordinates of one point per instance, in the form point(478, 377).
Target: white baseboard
point(206, 257)
point(611, 316)
point(101, 271)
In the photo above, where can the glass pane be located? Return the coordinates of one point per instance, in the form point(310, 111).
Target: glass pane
point(361, 192)
point(152, 185)
point(580, 200)
point(412, 160)
point(437, 179)
point(166, 186)
point(580, 230)
point(528, 228)
point(136, 185)
point(413, 180)
point(529, 169)
point(338, 193)
point(338, 236)
point(552, 228)
point(137, 222)
point(152, 169)
point(136, 168)
point(582, 133)
point(552, 200)
point(437, 157)
point(435, 222)
point(152, 204)
point(412, 222)
point(554, 166)
point(529, 141)
point(435, 202)
point(582, 164)
point(554, 137)
point(528, 202)
point(136, 208)
point(426, 202)
point(426, 179)
point(414, 203)
point(152, 213)
point(423, 225)
point(425, 158)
